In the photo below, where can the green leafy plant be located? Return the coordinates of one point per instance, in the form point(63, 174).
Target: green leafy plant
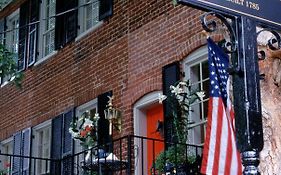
point(179, 100)
point(175, 155)
point(8, 66)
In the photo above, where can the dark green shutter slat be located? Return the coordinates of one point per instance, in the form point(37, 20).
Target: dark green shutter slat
point(105, 9)
point(103, 124)
point(170, 75)
point(33, 31)
point(23, 34)
point(26, 144)
point(56, 143)
point(67, 143)
point(16, 162)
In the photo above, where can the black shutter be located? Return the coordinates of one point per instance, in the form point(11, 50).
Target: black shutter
point(105, 9)
point(16, 163)
point(67, 143)
point(33, 31)
point(23, 33)
point(26, 144)
point(66, 24)
point(103, 124)
point(67, 138)
point(170, 75)
point(56, 144)
point(71, 20)
point(59, 28)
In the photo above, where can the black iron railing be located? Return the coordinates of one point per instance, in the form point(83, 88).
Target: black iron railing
point(127, 155)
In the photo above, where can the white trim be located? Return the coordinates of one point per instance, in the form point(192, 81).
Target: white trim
point(89, 105)
point(13, 14)
point(42, 125)
point(42, 60)
point(140, 127)
point(47, 125)
point(87, 32)
point(3, 142)
point(195, 58)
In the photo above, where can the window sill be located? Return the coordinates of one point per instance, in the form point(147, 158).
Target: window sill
point(7, 82)
point(4, 83)
point(82, 35)
point(45, 58)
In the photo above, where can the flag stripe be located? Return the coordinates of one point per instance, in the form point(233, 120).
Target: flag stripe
point(218, 136)
point(207, 140)
point(212, 138)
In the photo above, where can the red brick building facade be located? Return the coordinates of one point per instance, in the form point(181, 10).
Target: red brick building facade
point(124, 53)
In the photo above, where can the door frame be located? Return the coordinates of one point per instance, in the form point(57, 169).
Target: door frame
point(139, 112)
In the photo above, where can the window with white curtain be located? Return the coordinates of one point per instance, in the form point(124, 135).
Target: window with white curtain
point(197, 72)
point(47, 28)
point(88, 15)
point(12, 34)
point(6, 147)
point(41, 147)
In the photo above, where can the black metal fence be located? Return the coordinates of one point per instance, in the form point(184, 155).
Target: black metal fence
point(127, 155)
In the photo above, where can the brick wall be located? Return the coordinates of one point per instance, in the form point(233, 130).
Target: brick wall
point(126, 54)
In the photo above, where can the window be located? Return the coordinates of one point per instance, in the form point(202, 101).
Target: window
point(91, 106)
point(47, 28)
point(197, 72)
point(6, 148)
point(41, 147)
point(12, 37)
point(88, 14)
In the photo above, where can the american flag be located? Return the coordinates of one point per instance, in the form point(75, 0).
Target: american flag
point(220, 154)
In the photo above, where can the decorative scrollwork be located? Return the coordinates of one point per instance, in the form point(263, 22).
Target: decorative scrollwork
point(274, 43)
point(211, 25)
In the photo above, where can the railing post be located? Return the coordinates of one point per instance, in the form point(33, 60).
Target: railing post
point(129, 146)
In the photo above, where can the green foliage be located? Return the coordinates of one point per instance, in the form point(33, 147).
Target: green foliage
point(8, 66)
point(174, 2)
point(175, 155)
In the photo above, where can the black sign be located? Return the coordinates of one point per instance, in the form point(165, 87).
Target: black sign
point(263, 10)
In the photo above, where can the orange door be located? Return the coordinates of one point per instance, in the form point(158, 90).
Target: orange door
point(153, 115)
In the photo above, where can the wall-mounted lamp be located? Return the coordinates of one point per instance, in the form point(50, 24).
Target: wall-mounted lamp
point(113, 115)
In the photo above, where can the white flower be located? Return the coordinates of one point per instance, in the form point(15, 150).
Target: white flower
point(87, 122)
point(73, 134)
point(176, 90)
point(201, 95)
point(183, 83)
point(96, 117)
point(161, 98)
